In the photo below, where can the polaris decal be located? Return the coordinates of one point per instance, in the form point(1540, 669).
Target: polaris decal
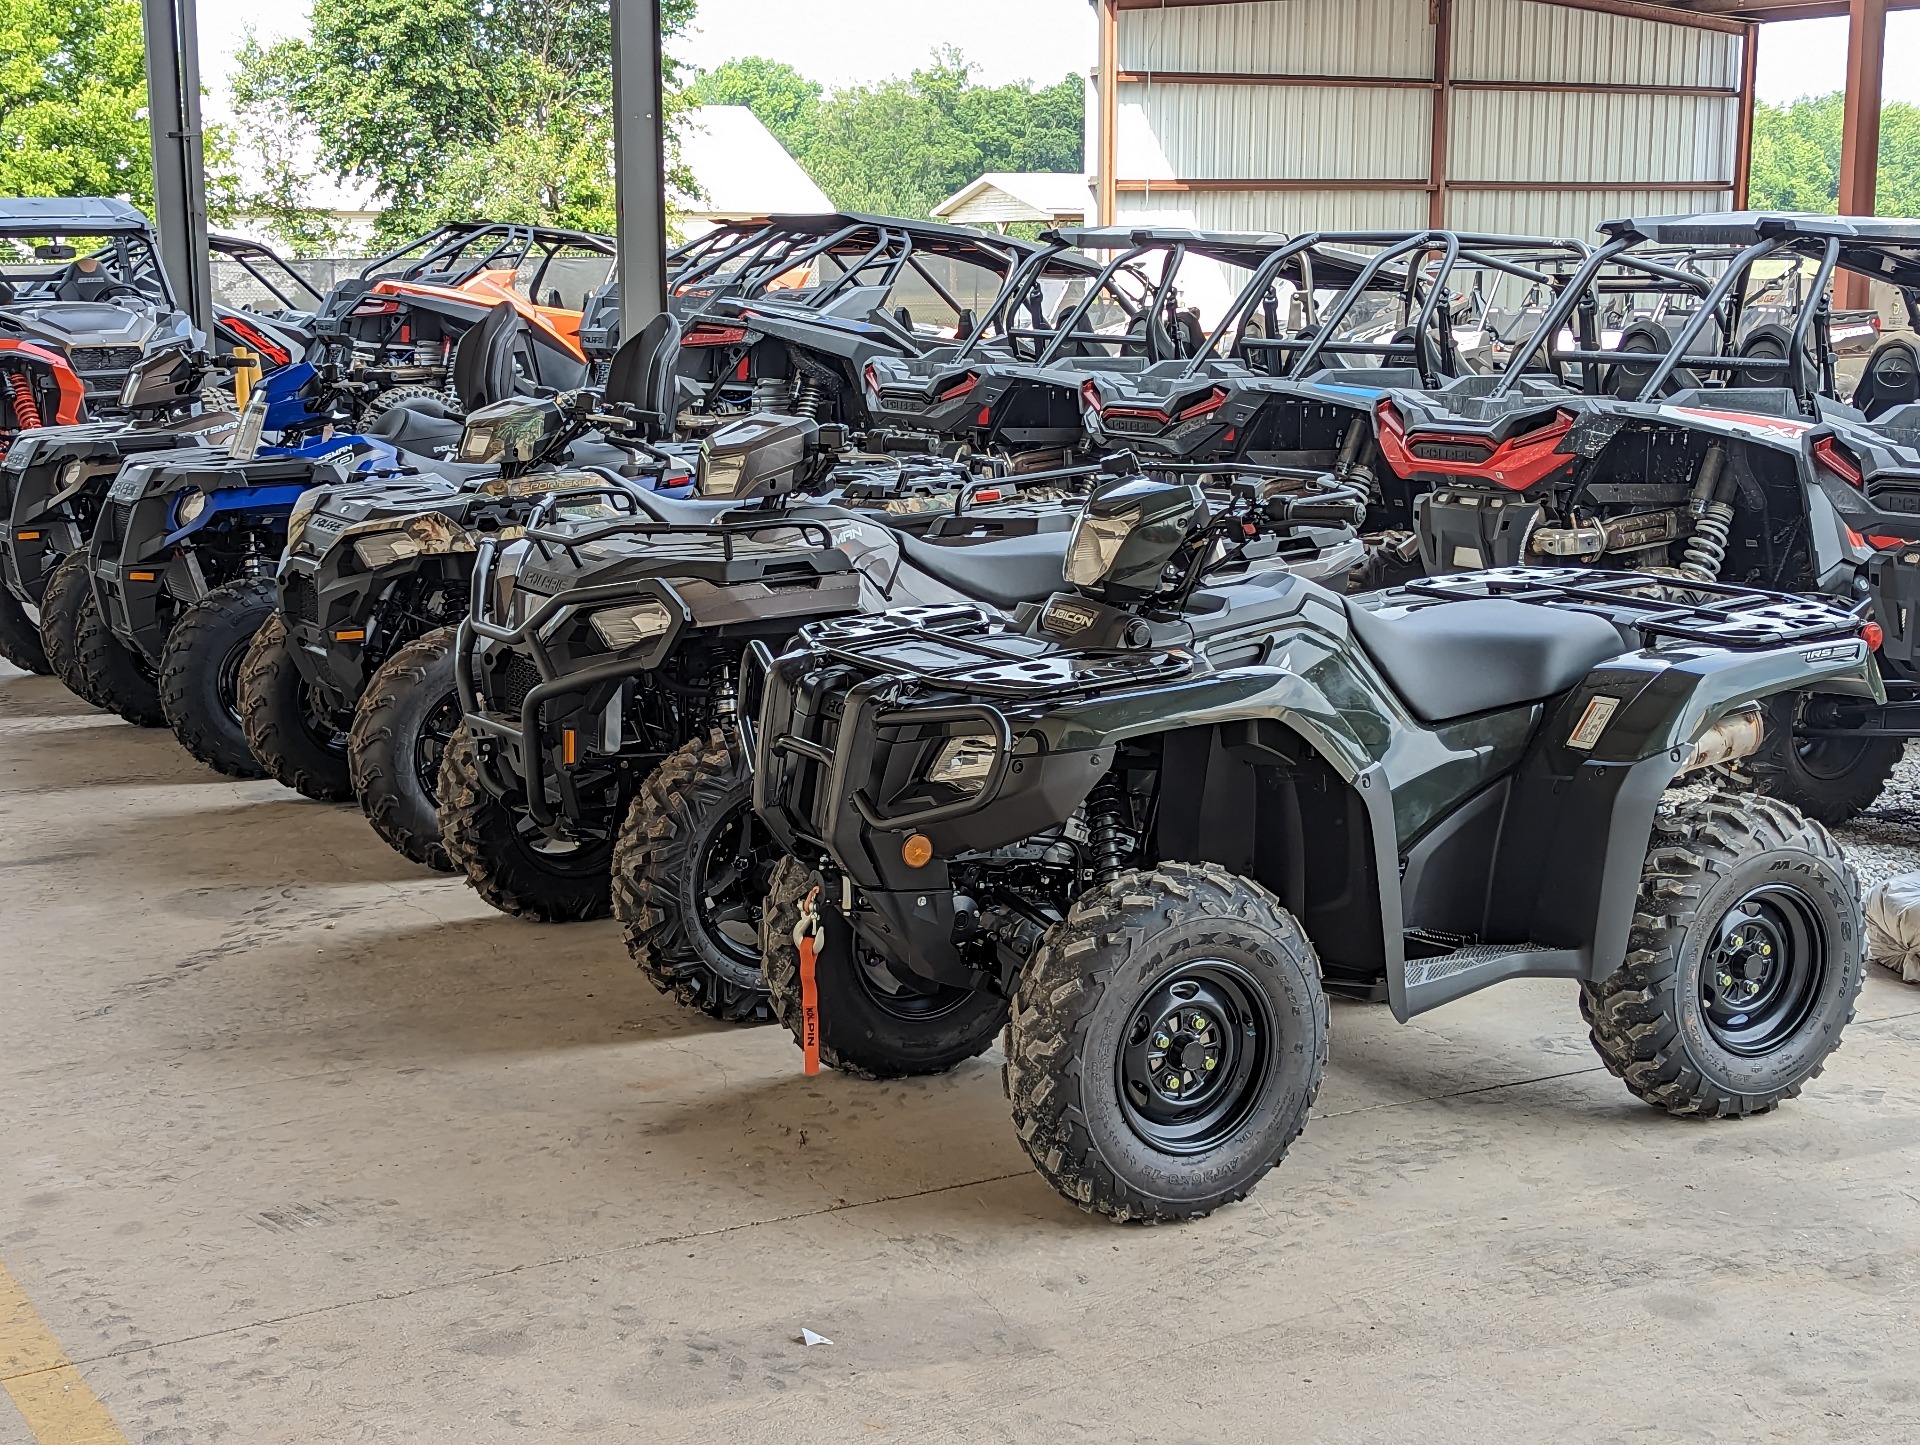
point(1592, 723)
point(1771, 427)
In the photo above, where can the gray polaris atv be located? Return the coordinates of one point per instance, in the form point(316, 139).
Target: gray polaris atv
point(1149, 825)
point(54, 480)
point(375, 576)
point(601, 764)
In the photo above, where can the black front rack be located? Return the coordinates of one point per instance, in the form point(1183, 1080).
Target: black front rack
point(1679, 609)
point(965, 648)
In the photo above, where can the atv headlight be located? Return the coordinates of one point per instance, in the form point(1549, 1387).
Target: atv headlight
point(70, 473)
point(623, 627)
point(965, 762)
point(1094, 546)
point(381, 548)
point(188, 509)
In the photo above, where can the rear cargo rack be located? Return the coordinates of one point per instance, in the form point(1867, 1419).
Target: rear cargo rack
point(1718, 614)
point(965, 648)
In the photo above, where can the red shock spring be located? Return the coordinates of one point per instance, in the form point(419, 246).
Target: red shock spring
point(26, 411)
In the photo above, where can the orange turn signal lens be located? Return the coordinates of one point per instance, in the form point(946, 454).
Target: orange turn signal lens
point(917, 851)
point(351, 634)
point(143, 576)
point(27, 536)
point(569, 747)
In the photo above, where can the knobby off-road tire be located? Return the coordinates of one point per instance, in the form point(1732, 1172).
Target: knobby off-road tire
point(20, 641)
point(690, 873)
point(298, 748)
point(1124, 1104)
point(1829, 779)
point(394, 751)
point(69, 589)
point(871, 1023)
point(200, 674)
point(1721, 871)
point(111, 676)
point(398, 396)
point(503, 857)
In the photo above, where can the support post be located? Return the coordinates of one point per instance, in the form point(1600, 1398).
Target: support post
point(1440, 12)
point(1860, 130)
point(179, 160)
point(1107, 201)
point(1743, 150)
point(639, 163)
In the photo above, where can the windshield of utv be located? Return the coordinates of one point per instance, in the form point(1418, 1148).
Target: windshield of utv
point(78, 267)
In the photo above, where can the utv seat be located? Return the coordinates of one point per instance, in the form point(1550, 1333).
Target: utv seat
point(1892, 378)
point(1467, 657)
point(1005, 572)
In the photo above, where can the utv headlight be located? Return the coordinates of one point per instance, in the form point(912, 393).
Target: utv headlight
point(187, 511)
point(1094, 546)
point(965, 762)
point(623, 627)
point(381, 548)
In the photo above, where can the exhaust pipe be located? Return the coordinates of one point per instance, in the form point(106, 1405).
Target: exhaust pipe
point(1735, 736)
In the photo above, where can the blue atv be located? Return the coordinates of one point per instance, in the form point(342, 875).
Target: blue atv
point(184, 550)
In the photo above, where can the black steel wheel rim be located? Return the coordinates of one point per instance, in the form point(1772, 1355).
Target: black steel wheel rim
point(1197, 1056)
point(1764, 970)
point(319, 720)
point(228, 679)
point(562, 856)
point(730, 886)
point(913, 999)
point(430, 741)
point(1826, 759)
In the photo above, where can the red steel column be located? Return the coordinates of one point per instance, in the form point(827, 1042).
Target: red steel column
point(1743, 154)
point(1441, 13)
point(1109, 86)
point(1860, 129)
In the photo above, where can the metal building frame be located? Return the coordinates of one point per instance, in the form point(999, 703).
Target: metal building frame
point(1860, 139)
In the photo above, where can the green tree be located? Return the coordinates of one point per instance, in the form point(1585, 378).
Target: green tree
point(1796, 157)
point(452, 108)
point(905, 145)
point(73, 106)
point(786, 102)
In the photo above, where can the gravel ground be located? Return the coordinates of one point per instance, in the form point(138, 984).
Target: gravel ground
point(1885, 839)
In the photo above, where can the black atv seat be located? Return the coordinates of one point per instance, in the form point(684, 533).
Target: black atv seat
point(1461, 658)
point(420, 424)
point(1004, 573)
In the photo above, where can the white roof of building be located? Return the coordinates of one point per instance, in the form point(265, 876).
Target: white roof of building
point(1045, 196)
point(742, 169)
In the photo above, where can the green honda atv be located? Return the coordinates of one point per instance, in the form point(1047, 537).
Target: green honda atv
point(1149, 825)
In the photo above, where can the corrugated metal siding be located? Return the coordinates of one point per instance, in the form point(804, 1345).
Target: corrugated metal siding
point(1282, 37)
point(1522, 40)
point(1511, 135)
point(1572, 214)
point(1199, 132)
point(1290, 212)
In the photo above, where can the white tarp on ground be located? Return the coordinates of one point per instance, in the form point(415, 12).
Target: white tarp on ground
point(1893, 925)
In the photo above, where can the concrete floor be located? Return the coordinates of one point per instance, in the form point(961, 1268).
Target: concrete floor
point(301, 1144)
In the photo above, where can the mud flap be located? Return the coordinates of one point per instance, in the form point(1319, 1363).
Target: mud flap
point(1466, 531)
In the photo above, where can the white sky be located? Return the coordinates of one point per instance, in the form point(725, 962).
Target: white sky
point(844, 42)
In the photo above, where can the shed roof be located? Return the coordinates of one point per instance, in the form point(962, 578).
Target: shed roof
point(742, 169)
point(1709, 14)
point(1044, 196)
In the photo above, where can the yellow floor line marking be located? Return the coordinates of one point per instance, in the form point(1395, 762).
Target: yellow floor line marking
point(45, 1387)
